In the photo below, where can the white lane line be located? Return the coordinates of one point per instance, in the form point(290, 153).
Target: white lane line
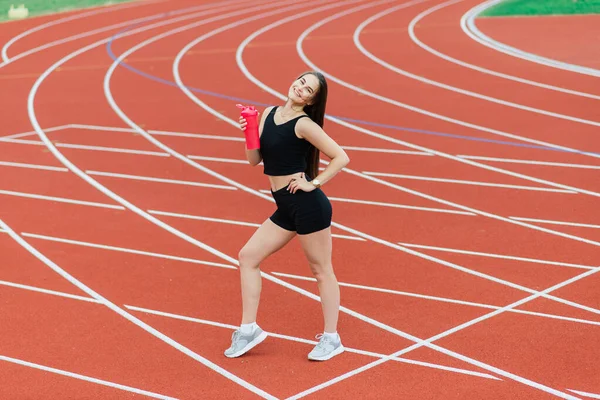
point(102, 128)
point(384, 204)
point(442, 299)
point(84, 378)
point(533, 162)
point(446, 57)
point(585, 394)
point(370, 320)
point(233, 327)
point(196, 136)
point(218, 159)
point(47, 291)
point(60, 199)
point(392, 151)
point(33, 166)
point(464, 182)
point(468, 26)
point(120, 176)
point(30, 133)
point(49, 24)
point(86, 147)
point(396, 69)
point(16, 136)
point(126, 250)
point(312, 342)
point(393, 205)
point(130, 206)
point(545, 221)
point(348, 237)
point(429, 343)
point(158, 132)
point(233, 222)
point(201, 218)
point(161, 180)
point(491, 255)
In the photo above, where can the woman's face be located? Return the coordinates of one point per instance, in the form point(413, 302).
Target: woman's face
point(304, 89)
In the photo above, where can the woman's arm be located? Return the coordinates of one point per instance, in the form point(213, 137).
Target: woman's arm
point(253, 156)
point(308, 130)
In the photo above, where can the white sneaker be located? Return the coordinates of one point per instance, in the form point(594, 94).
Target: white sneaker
point(326, 348)
point(241, 343)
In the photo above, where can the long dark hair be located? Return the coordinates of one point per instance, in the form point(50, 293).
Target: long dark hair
point(316, 112)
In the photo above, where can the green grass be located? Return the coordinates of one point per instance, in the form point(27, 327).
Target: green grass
point(39, 7)
point(543, 7)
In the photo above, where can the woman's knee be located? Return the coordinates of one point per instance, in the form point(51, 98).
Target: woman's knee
point(248, 257)
point(322, 271)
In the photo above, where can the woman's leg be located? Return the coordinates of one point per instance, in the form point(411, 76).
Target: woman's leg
point(317, 247)
point(267, 239)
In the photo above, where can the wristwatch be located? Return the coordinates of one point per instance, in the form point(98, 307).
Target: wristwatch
point(316, 183)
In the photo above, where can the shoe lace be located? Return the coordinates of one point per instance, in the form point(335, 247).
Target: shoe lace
point(322, 340)
point(235, 335)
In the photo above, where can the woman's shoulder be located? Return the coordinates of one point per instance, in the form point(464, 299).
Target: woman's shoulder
point(266, 112)
point(306, 127)
point(268, 109)
point(263, 118)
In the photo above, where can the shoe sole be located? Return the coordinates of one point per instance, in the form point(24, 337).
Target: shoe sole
point(334, 353)
point(249, 346)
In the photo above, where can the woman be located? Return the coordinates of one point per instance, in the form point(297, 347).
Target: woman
point(291, 138)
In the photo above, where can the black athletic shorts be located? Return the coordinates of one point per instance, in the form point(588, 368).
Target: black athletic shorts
point(303, 212)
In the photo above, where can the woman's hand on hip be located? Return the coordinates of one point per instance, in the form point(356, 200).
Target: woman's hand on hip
point(300, 183)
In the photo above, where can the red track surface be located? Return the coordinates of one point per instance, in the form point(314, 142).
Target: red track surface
point(463, 255)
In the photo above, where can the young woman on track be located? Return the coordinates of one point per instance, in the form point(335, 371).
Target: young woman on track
point(291, 139)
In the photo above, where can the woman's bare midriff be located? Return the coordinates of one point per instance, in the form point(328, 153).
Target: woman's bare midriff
point(279, 182)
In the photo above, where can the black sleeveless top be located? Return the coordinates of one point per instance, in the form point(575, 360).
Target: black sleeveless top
point(283, 152)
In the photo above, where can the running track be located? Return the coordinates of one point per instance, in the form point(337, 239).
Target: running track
point(466, 232)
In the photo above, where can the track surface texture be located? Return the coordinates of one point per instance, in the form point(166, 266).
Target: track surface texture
point(466, 226)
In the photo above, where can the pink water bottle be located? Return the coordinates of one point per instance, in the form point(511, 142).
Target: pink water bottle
point(251, 115)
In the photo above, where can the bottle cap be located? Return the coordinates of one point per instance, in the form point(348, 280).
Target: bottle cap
point(247, 109)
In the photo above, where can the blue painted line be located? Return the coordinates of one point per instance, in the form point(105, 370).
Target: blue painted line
point(356, 121)
point(379, 125)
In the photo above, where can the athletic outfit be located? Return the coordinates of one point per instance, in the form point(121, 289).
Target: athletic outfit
point(284, 153)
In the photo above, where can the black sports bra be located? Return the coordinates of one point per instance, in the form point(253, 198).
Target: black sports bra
point(283, 152)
